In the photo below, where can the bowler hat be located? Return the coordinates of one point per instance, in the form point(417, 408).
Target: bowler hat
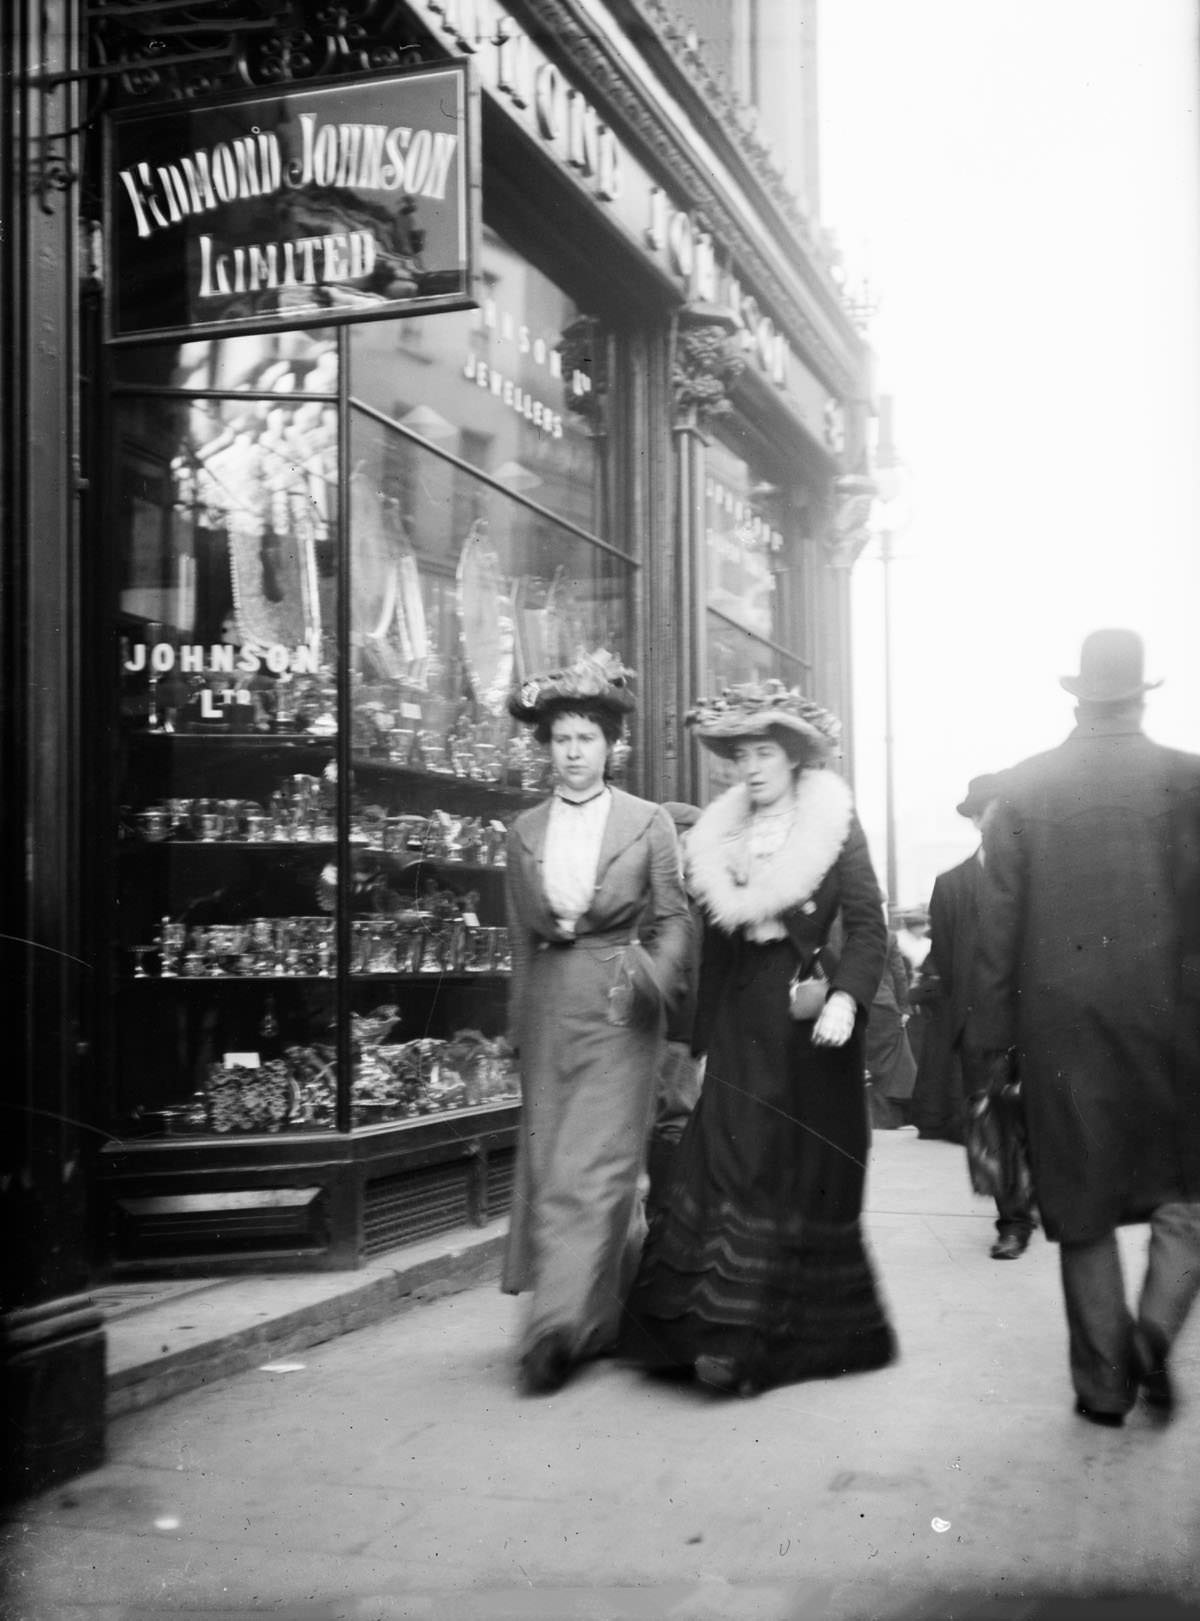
point(1111, 668)
point(980, 793)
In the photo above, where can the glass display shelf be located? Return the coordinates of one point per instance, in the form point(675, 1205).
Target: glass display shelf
point(506, 788)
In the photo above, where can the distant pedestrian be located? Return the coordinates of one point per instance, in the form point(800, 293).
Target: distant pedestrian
point(600, 935)
point(912, 939)
point(1089, 967)
point(890, 1065)
point(954, 913)
point(755, 1271)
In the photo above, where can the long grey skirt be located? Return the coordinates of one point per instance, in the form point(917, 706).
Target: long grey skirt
point(587, 1091)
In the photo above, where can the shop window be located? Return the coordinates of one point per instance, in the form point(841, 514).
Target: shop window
point(754, 628)
point(308, 917)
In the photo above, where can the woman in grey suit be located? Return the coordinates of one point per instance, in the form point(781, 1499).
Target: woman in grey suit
point(600, 938)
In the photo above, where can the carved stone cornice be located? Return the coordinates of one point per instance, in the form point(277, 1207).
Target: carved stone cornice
point(596, 60)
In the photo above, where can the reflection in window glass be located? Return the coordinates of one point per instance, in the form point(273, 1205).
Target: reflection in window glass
point(458, 592)
point(742, 537)
point(268, 362)
point(508, 387)
point(227, 514)
point(734, 656)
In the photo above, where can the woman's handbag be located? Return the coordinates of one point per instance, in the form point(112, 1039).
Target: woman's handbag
point(994, 1133)
point(807, 992)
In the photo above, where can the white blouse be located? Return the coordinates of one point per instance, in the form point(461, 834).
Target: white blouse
point(571, 856)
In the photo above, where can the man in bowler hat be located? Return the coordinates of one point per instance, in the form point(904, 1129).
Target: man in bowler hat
point(1089, 978)
point(954, 931)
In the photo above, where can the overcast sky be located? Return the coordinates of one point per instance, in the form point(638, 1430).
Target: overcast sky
point(1023, 183)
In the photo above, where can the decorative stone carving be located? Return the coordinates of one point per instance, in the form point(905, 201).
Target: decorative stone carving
point(849, 526)
point(704, 367)
point(584, 350)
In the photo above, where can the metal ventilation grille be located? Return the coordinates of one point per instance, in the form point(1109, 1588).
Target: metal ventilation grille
point(412, 1205)
point(501, 1167)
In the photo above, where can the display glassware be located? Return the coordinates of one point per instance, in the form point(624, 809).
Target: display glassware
point(454, 945)
point(502, 951)
point(180, 811)
point(287, 947)
point(208, 820)
point(140, 954)
point(259, 826)
point(260, 947)
point(154, 823)
point(172, 939)
point(429, 960)
point(360, 945)
point(232, 811)
point(400, 744)
point(450, 838)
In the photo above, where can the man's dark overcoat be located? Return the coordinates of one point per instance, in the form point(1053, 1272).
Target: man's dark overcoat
point(1089, 964)
point(954, 943)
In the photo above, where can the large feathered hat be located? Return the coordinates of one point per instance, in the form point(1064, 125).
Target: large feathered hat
point(765, 709)
point(597, 678)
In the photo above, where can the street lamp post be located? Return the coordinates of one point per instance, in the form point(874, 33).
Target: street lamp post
point(889, 739)
point(890, 483)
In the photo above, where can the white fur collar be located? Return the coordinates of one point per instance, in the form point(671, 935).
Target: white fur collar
point(824, 807)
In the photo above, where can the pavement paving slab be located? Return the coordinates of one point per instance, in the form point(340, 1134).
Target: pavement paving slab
point(394, 1472)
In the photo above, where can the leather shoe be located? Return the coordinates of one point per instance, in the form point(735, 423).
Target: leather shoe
point(546, 1366)
point(1151, 1371)
point(1099, 1415)
point(724, 1374)
point(1010, 1246)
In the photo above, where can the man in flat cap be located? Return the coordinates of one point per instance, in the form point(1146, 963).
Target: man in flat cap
point(1089, 979)
point(954, 935)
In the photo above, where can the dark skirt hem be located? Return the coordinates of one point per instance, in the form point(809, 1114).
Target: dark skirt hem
point(659, 1346)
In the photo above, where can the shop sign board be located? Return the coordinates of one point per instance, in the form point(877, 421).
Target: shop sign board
point(302, 206)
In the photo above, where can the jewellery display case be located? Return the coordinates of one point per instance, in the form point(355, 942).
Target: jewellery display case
point(318, 614)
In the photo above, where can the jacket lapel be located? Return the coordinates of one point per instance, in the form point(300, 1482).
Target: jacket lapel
point(532, 830)
point(617, 834)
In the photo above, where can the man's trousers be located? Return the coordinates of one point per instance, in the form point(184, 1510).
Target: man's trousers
point(1098, 1318)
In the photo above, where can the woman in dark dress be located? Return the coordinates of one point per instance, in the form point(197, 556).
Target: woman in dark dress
point(755, 1271)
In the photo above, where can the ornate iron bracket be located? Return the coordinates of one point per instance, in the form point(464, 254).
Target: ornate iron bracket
point(180, 49)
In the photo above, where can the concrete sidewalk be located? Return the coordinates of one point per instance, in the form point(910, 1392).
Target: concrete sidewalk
point(167, 1338)
point(394, 1473)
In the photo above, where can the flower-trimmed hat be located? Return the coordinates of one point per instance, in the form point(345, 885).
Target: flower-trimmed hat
point(766, 709)
point(597, 678)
